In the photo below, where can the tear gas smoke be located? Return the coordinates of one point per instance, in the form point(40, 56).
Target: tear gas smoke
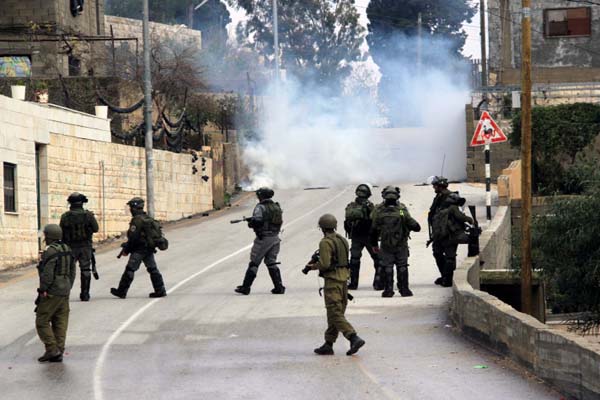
point(308, 138)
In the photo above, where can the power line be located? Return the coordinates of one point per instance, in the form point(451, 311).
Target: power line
point(584, 2)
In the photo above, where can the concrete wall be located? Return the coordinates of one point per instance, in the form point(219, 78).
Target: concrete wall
point(566, 361)
point(563, 59)
point(132, 28)
point(75, 153)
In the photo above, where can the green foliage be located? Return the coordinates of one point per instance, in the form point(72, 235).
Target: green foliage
point(318, 38)
point(567, 251)
point(561, 136)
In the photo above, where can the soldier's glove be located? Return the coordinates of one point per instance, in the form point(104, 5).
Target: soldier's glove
point(306, 270)
point(428, 243)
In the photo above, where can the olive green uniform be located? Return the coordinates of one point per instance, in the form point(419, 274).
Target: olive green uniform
point(333, 267)
point(57, 274)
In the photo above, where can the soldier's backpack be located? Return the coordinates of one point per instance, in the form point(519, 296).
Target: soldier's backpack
point(390, 222)
point(356, 212)
point(274, 214)
point(152, 233)
point(75, 226)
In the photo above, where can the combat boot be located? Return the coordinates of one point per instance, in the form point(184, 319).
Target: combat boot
point(57, 359)
point(378, 279)
point(354, 274)
point(275, 275)
point(85, 288)
point(157, 294)
point(244, 288)
point(355, 343)
point(49, 355)
point(403, 282)
point(438, 281)
point(388, 290)
point(325, 350)
point(118, 293)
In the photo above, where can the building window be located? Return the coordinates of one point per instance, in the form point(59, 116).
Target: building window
point(74, 66)
point(10, 187)
point(568, 22)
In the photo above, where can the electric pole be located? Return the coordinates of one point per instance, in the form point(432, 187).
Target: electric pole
point(276, 39)
point(526, 303)
point(148, 113)
point(482, 11)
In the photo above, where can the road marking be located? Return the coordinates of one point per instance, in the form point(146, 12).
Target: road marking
point(390, 395)
point(98, 394)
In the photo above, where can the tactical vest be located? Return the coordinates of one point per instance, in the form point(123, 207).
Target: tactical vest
point(272, 216)
point(61, 285)
point(339, 257)
point(357, 218)
point(76, 227)
point(444, 226)
point(152, 233)
point(390, 222)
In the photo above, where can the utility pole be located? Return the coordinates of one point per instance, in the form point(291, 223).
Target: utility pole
point(419, 41)
point(148, 113)
point(276, 39)
point(526, 303)
point(482, 11)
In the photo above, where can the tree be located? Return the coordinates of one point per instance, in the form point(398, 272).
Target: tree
point(318, 38)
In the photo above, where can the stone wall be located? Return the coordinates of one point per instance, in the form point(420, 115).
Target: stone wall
point(132, 28)
point(564, 360)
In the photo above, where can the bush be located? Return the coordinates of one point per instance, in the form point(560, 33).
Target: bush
point(561, 134)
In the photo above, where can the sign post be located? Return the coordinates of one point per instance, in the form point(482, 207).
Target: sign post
point(486, 133)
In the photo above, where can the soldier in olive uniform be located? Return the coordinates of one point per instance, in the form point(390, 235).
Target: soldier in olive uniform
point(446, 227)
point(57, 275)
point(333, 267)
point(139, 250)
point(357, 225)
point(392, 224)
point(266, 222)
point(78, 226)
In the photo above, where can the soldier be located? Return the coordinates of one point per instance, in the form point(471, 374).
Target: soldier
point(78, 226)
point(57, 275)
point(333, 267)
point(266, 221)
point(357, 226)
point(446, 228)
point(392, 225)
point(141, 248)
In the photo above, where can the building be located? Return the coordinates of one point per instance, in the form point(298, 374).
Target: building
point(565, 41)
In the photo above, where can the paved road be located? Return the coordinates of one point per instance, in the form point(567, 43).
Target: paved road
point(205, 342)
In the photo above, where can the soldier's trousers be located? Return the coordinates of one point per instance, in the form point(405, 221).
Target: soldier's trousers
point(336, 300)
point(358, 244)
point(265, 248)
point(52, 321)
point(83, 256)
point(399, 258)
point(444, 252)
point(135, 260)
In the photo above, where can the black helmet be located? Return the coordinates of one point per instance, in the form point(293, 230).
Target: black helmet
point(363, 190)
point(136, 202)
point(391, 193)
point(53, 231)
point(327, 221)
point(77, 197)
point(265, 193)
point(439, 181)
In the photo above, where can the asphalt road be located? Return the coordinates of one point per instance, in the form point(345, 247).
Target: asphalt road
point(205, 342)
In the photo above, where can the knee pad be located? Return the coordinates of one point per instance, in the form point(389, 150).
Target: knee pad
point(253, 268)
point(272, 266)
point(403, 268)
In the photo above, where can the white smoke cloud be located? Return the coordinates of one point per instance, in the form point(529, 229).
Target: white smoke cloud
point(307, 138)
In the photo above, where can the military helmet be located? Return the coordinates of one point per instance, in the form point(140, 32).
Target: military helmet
point(391, 193)
point(327, 221)
point(136, 202)
point(265, 193)
point(439, 181)
point(53, 231)
point(363, 190)
point(77, 197)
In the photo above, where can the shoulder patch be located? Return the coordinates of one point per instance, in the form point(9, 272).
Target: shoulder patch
point(132, 228)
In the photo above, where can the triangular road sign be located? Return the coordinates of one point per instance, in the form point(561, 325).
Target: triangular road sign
point(487, 132)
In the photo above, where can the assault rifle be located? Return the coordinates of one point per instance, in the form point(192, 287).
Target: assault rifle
point(473, 232)
point(122, 253)
point(94, 270)
point(313, 260)
point(237, 221)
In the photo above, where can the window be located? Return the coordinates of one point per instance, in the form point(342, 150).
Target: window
point(10, 187)
point(568, 22)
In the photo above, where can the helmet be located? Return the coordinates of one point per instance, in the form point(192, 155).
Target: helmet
point(327, 221)
point(53, 231)
point(391, 193)
point(265, 193)
point(136, 202)
point(77, 197)
point(439, 181)
point(363, 190)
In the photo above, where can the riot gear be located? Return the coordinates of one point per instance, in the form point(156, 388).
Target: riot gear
point(76, 197)
point(363, 190)
point(265, 193)
point(391, 193)
point(439, 181)
point(136, 203)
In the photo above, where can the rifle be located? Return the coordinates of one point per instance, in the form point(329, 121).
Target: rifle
point(94, 270)
point(313, 260)
point(237, 221)
point(473, 232)
point(122, 253)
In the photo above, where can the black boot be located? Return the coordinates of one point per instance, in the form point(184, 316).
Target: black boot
point(388, 283)
point(355, 343)
point(403, 282)
point(158, 284)
point(85, 288)
point(325, 350)
point(118, 293)
point(354, 274)
point(438, 281)
point(447, 279)
point(275, 275)
point(49, 355)
point(378, 279)
point(244, 288)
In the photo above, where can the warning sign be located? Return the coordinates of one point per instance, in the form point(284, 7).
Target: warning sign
point(487, 132)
